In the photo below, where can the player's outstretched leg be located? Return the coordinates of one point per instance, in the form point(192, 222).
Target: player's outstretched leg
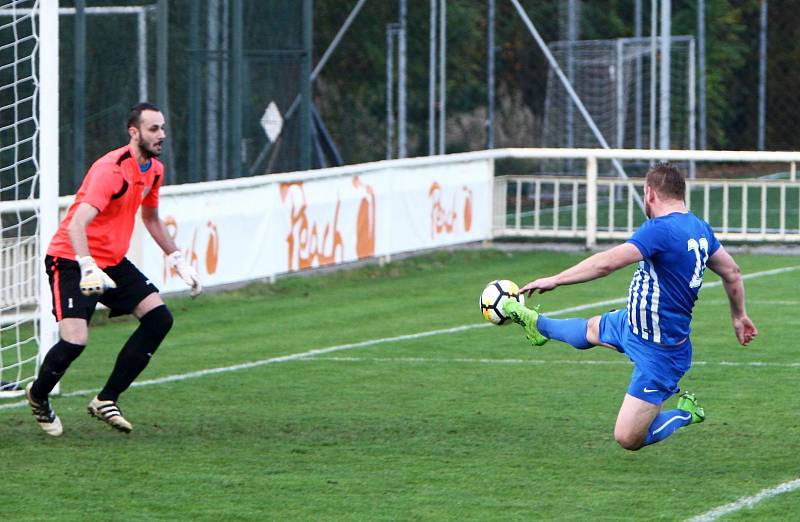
point(572, 331)
point(527, 318)
point(109, 412)
point(45, 416)
point(667, 422)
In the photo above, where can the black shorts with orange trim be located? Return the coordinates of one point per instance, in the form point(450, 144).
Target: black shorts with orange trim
point(69, 302)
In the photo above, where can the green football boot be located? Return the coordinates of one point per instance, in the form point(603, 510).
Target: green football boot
point(688, 402)
point(527, 318)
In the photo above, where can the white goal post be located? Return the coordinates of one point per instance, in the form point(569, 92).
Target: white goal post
point(48, 162)
point(28, 184)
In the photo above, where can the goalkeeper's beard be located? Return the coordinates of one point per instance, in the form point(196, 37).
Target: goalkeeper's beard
point(151, 149)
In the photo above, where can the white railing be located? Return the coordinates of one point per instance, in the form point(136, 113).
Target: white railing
point(606, 209)
point(18, 273)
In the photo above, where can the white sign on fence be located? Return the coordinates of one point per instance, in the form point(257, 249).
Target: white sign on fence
point(285, 224)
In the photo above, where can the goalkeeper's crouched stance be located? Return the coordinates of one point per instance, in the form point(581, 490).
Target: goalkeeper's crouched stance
point(86, 265)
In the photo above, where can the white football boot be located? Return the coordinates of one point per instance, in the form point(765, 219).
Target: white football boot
point(109, 412)
point(45, 416)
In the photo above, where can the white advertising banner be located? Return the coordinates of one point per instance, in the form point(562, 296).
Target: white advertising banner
point(287, 223)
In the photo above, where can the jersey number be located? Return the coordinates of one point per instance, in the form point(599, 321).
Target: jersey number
point(700, 249)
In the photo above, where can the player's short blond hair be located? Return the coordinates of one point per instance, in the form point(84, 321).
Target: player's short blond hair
point(667, 181)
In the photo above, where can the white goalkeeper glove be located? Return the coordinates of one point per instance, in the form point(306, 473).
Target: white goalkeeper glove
point(93, 280)
point(185, 271)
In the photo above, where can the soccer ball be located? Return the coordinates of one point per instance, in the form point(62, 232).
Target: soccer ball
point(493, 297)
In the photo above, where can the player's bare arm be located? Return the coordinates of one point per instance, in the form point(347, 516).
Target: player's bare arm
point(724, 265)
point(84, 215)
point(157, 230)
point(175, 258)
point(594, 267)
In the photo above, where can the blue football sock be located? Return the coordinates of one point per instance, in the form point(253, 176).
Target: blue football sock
point(665, 424)
point(570, 331)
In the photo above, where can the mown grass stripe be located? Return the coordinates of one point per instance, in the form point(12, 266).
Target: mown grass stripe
point(368, 343)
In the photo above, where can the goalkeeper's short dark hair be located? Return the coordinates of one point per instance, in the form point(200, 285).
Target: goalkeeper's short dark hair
point(135, 114)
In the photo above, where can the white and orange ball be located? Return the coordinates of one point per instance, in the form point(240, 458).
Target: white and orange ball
point(493, 297)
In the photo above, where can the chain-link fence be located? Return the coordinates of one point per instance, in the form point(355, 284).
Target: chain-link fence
point(231, 76)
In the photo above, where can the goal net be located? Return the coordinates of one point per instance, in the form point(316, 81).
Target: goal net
point(614, 80)
point(28, 203)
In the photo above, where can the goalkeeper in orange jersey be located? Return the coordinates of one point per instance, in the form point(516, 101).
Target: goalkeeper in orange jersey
point(86, 264)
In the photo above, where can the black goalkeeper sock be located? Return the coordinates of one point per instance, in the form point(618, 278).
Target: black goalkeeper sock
point(135, 355)
point(53, 367)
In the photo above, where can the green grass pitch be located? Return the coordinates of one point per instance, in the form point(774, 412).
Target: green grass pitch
point(460, 424)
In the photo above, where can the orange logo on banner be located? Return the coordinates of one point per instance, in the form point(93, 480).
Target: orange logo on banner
point(443, 221)
point(309, 248)
point(190, 253)
point(467, 208)
point(365, 226)
point(212, 249)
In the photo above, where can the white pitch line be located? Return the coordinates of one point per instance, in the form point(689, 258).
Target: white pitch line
point(371, 342)
point(272, 360)
point(759, 302)
point(445, 360)
point(747, 502)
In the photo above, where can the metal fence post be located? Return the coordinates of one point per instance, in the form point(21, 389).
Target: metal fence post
point(162, 77)
point(762, 75)
point(390, 32)
point(193, 170)
point(305, 86)
point(499, 205)
point(664, 92)
point(490, 52)
point(79, 99)
point(591, 202)
point(401, 83)
point(235, 78)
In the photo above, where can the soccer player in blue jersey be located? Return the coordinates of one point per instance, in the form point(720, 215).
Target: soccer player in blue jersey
point(672, 249)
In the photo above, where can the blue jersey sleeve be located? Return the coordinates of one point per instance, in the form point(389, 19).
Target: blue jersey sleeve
point(650, 238)
point(713, 242)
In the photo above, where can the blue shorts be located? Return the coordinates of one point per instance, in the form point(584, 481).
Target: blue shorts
point(656, 368)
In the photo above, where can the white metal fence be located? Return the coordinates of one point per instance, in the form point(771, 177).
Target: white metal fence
point(591, 208)
point(557, 207)
point(18, 273)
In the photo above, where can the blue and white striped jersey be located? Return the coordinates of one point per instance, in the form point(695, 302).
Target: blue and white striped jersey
point(665, 285)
